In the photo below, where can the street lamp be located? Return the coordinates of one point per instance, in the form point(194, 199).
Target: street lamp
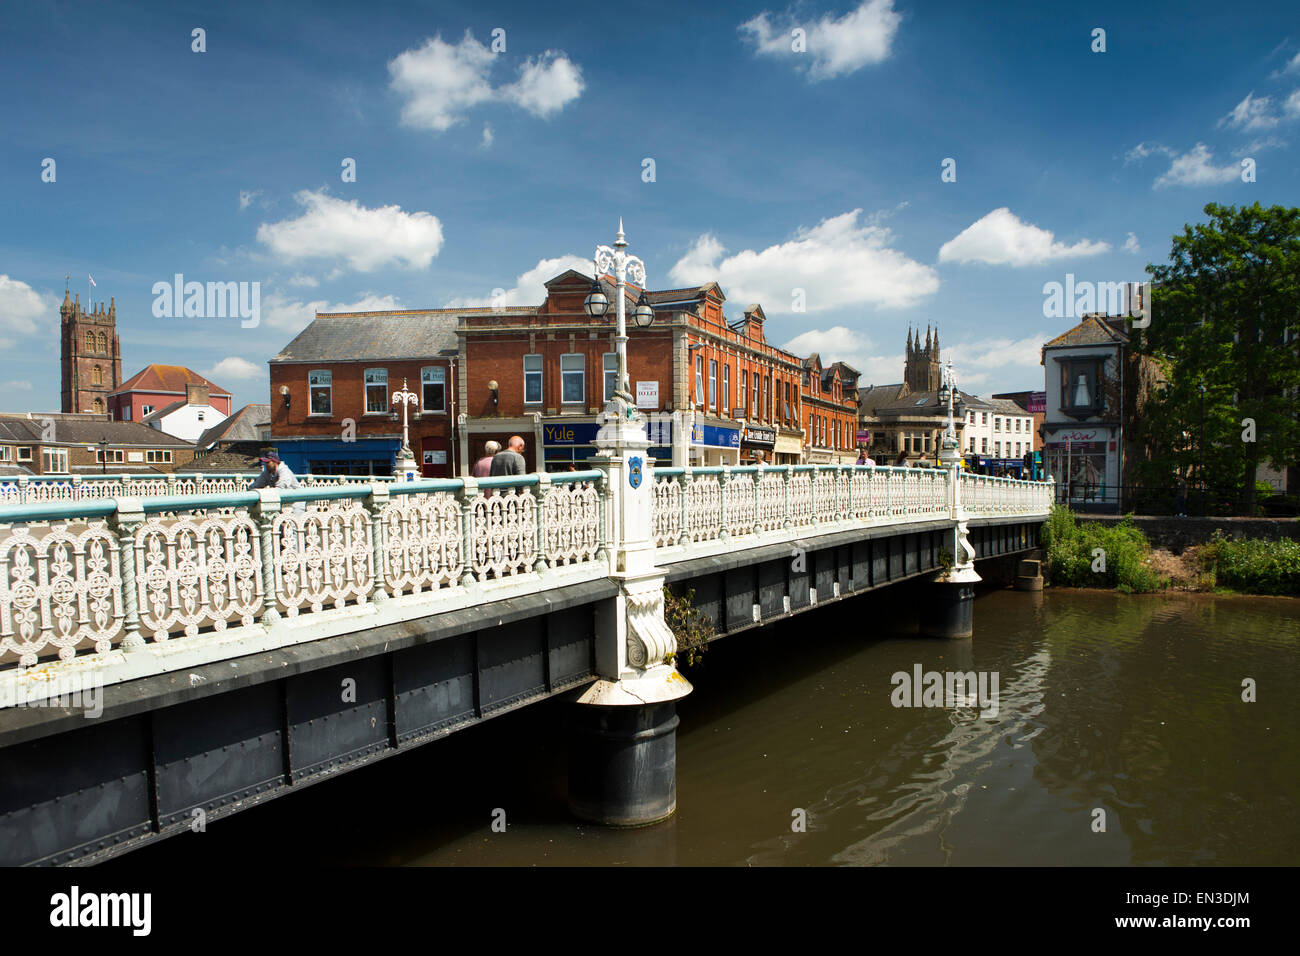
point(624, 267)
point(103, 456)
point(948, 389)
point(406, 398)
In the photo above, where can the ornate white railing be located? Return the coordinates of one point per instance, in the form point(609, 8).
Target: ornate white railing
point(86, 576)
point(706, 504)
point(89, 576)
point(39, 489)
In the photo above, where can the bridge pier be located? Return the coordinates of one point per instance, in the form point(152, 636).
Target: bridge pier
point(948, 610)
point(623, 730)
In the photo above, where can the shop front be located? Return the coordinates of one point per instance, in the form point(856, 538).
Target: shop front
point(1085, 463)
point(566, 445)
point(714, 445)
point(333, 456)
point(788, 449)
point(758, 438)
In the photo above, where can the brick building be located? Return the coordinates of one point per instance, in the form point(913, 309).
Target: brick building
point(160, 386)
point(60, 444)
point(332, 410)
point(90, 355)
point(714, 392)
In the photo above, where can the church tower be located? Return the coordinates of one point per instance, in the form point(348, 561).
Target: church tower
point(90, 355)
point(921, 372)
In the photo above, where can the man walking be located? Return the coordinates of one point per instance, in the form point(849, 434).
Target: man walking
point(510, 461)
point(483, 467)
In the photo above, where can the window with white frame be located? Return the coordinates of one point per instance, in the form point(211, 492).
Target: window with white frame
point(984, 446)
point(713, 383)
point(997, 424)
point(24, 453)
point(573, 378)
point(376, 390)
point(111, 455)
point(433, 388)
point(699, 379)
point(609, 366)
point(54, 461)
point(146, 410)
point(744, 387)
point(6, 453)
point(158, 456)
point(320, 388)
point(532, 379)
point(726, 389)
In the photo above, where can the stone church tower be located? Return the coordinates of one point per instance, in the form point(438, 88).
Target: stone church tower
point(921, 371)
point(90, 354)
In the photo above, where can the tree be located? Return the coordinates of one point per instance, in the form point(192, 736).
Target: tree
point(1225, 328)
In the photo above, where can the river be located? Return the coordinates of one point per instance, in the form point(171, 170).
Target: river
point(1131, 705)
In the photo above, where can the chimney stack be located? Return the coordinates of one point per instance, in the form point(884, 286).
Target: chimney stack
point(196, 394)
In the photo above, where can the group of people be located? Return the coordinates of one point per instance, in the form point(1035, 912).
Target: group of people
point(497, 461)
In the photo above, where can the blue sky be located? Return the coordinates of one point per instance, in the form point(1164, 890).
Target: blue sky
point(481, 169)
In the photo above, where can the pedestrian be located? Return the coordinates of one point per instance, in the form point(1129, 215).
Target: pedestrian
point(901, 462)
point(276, 474)
point(511, 461)
point(483, 467)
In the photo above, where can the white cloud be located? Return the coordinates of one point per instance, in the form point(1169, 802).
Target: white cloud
point(247, 197)
point(1196, 168)
point(16, 385)
point(281, 312)
point(1001, 238)
point(839, 262)
point(997, 364)
point(1293, 66)
point(1141, 151)
point(836, 47)
point(545, 84)
point(486, 142)
point(309, 282)
point(1251, 114)
point(841, 344)
point(1131, 243)
point(366, 238)
point(439, 83)
point(235, 367)
point(1292, 105)
point(23, 310)
point(1257, 145)
point(529, 288)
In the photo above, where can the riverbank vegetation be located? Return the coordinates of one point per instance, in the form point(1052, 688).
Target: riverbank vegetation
point(1096, 555)
point(1120, 556)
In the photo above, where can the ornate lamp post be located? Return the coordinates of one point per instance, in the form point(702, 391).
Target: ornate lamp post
point(406, 468)
point(596, 304)
point(948, 453)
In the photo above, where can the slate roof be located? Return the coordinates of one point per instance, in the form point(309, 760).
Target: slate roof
point(241, 456)
point(160, 413)
point(375, 336)
point(167, 378)
point(930, 400)
point(86, 431)
point(241, 426)
point(872, 396)
point(1005, 406)
point(1094, 329)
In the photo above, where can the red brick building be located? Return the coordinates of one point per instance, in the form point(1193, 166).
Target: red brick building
point(715, 392)
point(157, 386)
point(332, 408)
